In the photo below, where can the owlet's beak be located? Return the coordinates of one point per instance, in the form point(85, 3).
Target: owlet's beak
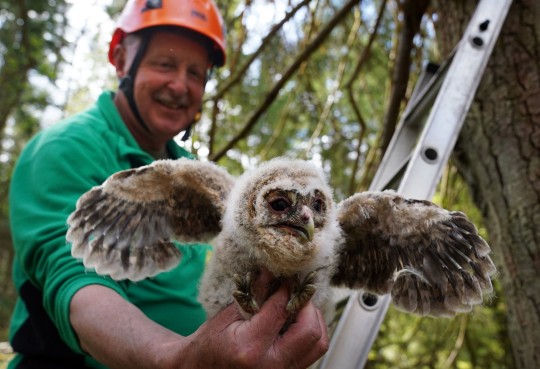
point(302, 225)
point(304, 230)
point(310, 229)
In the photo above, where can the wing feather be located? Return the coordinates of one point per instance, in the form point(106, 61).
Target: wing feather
point(432, 261)
point(124, 228)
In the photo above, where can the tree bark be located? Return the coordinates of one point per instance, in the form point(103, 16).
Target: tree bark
point(498, 154)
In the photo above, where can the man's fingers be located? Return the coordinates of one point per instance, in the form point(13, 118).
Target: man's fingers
point(258, 341)
point(306, 340)
point(227, 316)
point(264, 285)
point(272, 316)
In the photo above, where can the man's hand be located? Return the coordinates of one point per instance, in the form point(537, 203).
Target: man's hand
point(229, 341)
point(118, 334)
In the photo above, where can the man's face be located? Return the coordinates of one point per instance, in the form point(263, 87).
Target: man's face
point(169, 83)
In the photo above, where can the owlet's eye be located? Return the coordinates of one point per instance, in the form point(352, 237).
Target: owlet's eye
point(318, 205)
point(279, 205)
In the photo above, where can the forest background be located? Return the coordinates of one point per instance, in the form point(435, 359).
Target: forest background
point(327, 81)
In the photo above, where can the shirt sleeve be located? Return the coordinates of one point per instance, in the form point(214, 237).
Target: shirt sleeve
point(49, 177)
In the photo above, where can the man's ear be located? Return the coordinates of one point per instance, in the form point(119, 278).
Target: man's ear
point(120, 60)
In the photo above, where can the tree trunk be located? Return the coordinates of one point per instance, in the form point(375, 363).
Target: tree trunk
point(498, 154)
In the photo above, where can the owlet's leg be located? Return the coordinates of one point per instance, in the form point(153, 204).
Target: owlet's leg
point(244, 295)
point(301, 291)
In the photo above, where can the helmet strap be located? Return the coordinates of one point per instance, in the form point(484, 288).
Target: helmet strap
point(187, 132)
point(128, 81)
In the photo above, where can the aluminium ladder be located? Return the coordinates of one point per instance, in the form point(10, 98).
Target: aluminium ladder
point(418, 153)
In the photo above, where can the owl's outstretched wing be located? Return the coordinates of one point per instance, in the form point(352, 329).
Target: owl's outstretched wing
point(124, 227)
point(432, 261)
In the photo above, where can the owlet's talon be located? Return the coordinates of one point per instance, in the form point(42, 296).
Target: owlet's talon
point(243, 295)
point(302, 291)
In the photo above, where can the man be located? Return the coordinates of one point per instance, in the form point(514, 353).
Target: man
point(67, 317)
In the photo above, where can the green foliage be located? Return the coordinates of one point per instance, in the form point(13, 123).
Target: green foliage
point(31, 40)
point(115, 8)
point(464, 342)
point(329, 110)
point(311, 117)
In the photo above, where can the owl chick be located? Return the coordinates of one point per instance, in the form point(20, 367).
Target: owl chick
point(281, 217)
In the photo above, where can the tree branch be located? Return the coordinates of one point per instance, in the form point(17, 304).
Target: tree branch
point(354, 104)
point(271, 96)
point(242, 70)
point(413, 11)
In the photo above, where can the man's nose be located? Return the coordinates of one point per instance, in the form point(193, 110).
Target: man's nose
point(179, 82)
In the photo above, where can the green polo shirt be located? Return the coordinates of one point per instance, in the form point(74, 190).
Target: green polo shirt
point(56, 167)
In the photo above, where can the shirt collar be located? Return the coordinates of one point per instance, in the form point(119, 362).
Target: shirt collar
point(128, 146)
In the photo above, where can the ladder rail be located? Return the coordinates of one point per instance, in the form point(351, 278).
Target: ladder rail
point(400, 148)
point(360, 322)
point(454, 100)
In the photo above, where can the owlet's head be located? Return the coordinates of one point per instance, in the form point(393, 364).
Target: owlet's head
point(285, 208)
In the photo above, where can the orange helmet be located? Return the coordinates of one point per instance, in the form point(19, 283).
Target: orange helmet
point(201, 16)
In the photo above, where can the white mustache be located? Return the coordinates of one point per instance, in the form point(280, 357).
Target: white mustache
point(175, 102)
